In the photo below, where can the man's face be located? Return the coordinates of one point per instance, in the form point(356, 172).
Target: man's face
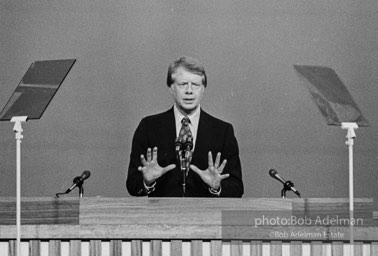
point(187, 90)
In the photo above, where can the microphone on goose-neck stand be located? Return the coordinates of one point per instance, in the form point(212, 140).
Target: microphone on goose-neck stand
point(178, 147)
point(77, 182)
point(288, 185)
point(188, 146)
point(183, 151)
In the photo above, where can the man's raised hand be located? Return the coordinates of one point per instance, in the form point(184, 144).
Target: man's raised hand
point(151, 170)
point(212, 176)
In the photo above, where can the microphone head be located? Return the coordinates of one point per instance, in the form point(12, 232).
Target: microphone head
point(273, 173)
point(77, 180)
point(178, 142)
point(85, 175)
point(189, 143)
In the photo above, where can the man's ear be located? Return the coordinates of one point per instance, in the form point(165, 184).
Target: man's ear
point(170, 89)
point(203, 89)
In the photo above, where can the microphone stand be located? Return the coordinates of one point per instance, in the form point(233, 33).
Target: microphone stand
point(183, 171)
point(81, 191)
point(79, 183)
point(184, 157)
point(181, 163)
point(286, 187)
point(184, 161)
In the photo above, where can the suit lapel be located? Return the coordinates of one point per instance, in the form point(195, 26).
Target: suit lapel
point(167, 134)
point(167, 128)
point(203, 136)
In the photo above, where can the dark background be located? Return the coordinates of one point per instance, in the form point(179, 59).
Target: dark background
point(123, 49)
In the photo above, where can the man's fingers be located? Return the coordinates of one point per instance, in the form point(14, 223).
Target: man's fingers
point(224, 176)
point(217, 160)
point(168, 168)
point(149, 154)
point(210, 159)
point(195, 169)
point(154, 154)
point(141, 169)
point(143, 160)
point(220, 169)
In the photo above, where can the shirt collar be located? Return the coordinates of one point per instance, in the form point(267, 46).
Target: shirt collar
point(194, 120)
point(194, 117)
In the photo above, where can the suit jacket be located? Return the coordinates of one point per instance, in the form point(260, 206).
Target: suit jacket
point(212, 135)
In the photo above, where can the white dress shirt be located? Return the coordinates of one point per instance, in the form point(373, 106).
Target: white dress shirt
point(193, 125)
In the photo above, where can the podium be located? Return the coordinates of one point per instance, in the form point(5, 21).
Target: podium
point(184, 226)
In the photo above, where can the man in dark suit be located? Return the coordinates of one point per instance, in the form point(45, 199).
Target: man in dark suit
point(158, 172)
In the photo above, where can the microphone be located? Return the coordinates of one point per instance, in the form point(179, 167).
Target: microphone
point(188, 145)
point(273, 173)
point(178, 144)
point(78, 181)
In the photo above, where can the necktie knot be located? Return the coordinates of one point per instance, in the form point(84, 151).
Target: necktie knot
point(185, 132)
point(185, 121)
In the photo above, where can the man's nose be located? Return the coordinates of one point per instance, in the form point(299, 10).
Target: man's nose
point(189, 88)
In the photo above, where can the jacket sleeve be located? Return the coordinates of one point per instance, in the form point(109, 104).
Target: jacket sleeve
point(233, 185)
point(134, 181)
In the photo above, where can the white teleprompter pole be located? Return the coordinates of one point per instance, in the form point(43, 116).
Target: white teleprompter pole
point(17, 120)
point(350, 127)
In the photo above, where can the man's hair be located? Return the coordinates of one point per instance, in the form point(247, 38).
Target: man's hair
point(190, 64)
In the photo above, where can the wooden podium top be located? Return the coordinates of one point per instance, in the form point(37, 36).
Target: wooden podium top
point(189, 218)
